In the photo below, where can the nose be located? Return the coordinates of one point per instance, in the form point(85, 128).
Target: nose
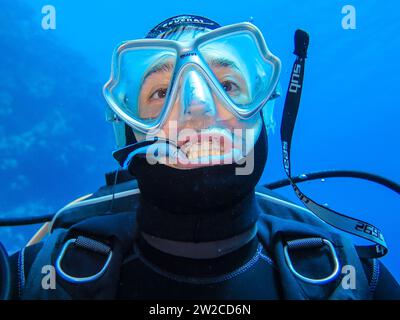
point(196, 97)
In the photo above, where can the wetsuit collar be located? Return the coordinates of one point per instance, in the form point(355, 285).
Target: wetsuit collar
point(197, 227)
point(201, 250)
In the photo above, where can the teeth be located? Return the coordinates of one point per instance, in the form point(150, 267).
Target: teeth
point(205, 149)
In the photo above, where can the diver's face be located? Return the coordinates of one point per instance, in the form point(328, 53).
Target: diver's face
point(206, 131)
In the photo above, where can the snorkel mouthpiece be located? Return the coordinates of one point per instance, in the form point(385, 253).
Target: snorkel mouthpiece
point(155, 150)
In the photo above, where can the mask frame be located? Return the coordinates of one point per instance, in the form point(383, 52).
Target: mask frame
point(189, 57)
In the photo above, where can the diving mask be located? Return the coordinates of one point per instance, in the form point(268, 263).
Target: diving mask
point(150, 77)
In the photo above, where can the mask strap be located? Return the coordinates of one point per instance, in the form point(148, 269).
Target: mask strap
point(340, 221)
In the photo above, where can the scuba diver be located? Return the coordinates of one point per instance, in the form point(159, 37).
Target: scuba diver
point(183, 218)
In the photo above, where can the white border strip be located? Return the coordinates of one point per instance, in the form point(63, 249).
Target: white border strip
point(283, 202)
point(93, 201)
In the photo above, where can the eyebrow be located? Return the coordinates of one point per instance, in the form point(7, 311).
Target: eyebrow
point(168, 66)
point(223, 63)
point(160, 67)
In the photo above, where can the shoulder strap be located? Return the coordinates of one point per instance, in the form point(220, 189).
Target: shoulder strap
point(86, 257)
point(122, 197)
point(310, 255)
point(33, 289)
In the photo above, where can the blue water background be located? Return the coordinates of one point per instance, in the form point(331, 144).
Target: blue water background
point(56, 146)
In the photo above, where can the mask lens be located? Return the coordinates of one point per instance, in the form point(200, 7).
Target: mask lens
point(244, 73)
point(144, 82)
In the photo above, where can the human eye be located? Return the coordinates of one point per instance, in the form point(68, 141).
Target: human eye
point(235, 87)
point(158, 94)
point(152, 102)
point(231, 87)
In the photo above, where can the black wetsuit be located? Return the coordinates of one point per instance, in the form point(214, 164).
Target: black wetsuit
point(247, 273)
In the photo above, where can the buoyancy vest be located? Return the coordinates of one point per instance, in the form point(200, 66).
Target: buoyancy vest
point(314, 260)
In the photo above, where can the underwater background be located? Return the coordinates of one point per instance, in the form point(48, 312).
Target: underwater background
point(55, 144)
